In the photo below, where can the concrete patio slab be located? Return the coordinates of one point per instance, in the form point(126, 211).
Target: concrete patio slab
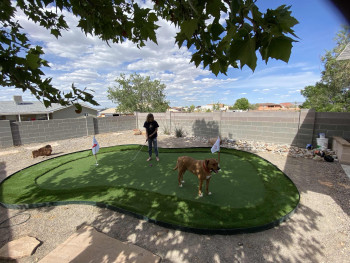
point(89, 245)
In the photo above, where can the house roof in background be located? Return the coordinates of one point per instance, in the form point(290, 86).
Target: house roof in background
point(287, 104)
point(108, 111)
point(268, 104)
point(31, 107)
point(345, 54)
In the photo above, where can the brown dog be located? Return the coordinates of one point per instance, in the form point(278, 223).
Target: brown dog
point(43, 151)
point(200, 168)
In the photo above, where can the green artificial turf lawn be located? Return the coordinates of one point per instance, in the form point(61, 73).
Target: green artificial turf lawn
point(248, 192)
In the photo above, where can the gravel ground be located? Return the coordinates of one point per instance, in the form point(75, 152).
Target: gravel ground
point(319, 231)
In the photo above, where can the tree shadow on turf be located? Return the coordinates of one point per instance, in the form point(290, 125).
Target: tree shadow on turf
point(75, 178)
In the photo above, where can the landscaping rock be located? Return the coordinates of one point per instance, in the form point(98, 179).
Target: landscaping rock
point(19, 248)
point(255, 147)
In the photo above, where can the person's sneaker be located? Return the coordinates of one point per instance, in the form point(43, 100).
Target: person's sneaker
point(149, 158)
point(157, 159)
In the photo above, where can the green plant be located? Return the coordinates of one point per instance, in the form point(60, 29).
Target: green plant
point(166, 130)
point(179, 132)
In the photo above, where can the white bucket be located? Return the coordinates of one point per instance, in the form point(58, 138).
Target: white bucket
point(322, 142)
point(322, 135)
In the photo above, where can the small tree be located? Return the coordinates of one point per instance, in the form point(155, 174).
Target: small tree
point(216, 106)
point(254, 106)
point(138, 93)
point(241, 104)
point(191, 108)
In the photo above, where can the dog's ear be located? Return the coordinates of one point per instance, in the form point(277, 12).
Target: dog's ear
point(207, 162)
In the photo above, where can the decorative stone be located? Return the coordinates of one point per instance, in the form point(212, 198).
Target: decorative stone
point(19, 248)
point(254, 147)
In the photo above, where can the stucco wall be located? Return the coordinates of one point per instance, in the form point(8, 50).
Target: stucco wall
point(69, 112)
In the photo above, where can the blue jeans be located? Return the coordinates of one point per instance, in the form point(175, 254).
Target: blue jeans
point(154, 141)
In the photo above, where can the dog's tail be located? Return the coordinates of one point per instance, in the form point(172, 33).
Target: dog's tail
point(176, 167)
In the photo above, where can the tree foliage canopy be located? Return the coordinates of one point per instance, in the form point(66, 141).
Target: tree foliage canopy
point(332, 92)
point(241, 104)
point(222, 33)
point(138, 93)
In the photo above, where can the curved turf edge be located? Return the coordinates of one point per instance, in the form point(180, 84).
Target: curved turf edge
point(152, 217)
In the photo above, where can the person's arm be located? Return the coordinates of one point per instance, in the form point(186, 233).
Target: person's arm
point(144, 126)
point(155, 131)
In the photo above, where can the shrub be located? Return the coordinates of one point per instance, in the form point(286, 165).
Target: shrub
point(166, 130)
point(179, 132)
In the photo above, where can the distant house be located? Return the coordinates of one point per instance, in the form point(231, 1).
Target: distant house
point(290, 106)
point(287, 105)
point(175, 109)
point(269, 106)
point(210, 107)
point(19, 110)
point(109, 113)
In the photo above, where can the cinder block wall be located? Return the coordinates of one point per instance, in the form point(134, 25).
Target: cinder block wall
point(114, 124)
point(5, 134)
point(43, 131)
point(295, 128)
point(196, 124)
point(275, 127)
point(332, 124)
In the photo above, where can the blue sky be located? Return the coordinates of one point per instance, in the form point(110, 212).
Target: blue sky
point(88, 62)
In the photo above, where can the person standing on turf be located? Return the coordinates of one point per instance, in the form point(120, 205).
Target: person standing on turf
point(151, 135)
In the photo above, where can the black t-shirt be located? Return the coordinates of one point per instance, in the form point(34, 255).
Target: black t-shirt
point(151, 127)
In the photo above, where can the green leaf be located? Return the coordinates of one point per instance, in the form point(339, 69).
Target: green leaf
point(180, 38)
point(213, 8)
point(189, 27)
point(33, 61)
point(216, 30)
point(215, 68)
point(207, 60)
point(78, 106)
point(152, 17)
point(244, 51)
point(280, 48)
point(196, 58)
point(47, 103)
point(235, 6)
point(55, 32)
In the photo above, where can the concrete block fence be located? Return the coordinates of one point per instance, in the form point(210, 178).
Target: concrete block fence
point(114, 124)
point(294, 128)
point(5, 134)
point(333, 124)
point(297, 128)
point(50, 130)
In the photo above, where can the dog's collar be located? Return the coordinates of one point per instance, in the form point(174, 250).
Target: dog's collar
point(205, 168)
